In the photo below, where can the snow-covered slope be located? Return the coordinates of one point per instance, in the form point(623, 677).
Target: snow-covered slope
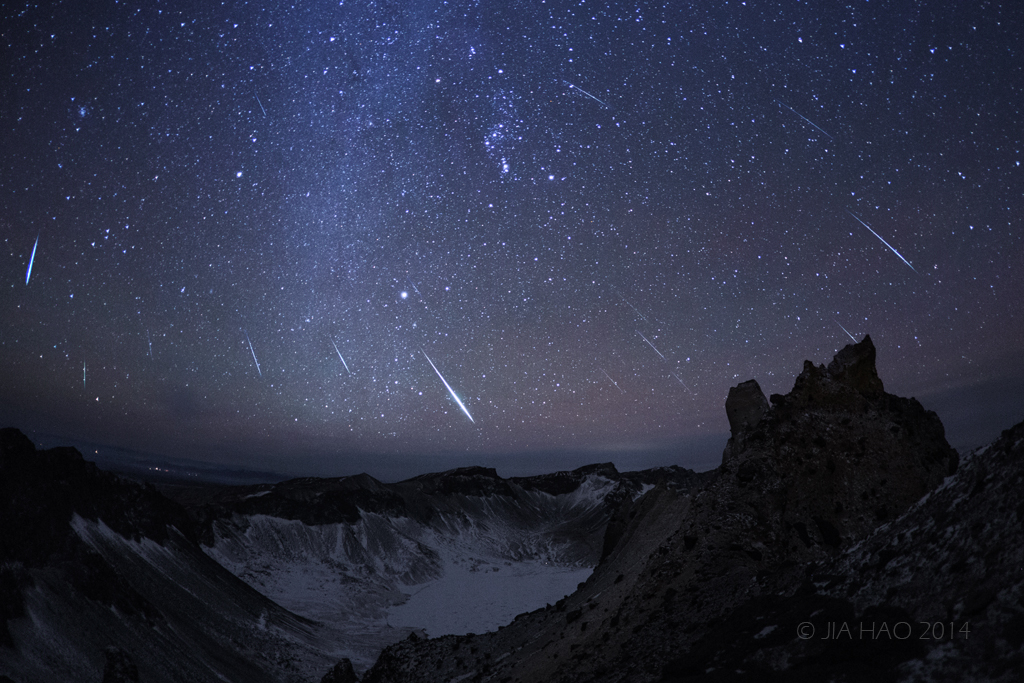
point(276, 583)
point(458, 552)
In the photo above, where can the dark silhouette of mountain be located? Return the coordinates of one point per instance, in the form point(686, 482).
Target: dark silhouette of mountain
point(840, 539)
point(836, 531)
point(460, 493)
point(351, 551)
point(103, 579)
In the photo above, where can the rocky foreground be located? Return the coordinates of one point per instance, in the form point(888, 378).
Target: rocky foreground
point(841, 539)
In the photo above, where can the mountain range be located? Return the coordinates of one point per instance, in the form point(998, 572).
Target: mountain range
point(841, 539)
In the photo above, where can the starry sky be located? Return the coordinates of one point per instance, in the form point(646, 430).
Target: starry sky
point(326, 237)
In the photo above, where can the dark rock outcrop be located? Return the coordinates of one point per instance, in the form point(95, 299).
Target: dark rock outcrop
point(801, 483)
point(341, 673)
point(936, 594)
point(745, 406)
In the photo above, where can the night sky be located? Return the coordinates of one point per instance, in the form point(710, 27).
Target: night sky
point(290, 236)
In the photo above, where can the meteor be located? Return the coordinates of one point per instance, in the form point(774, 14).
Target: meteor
point(603, 104)
point(650, 344)
point(83, 374)
point(844, 329)
point(448, 387)
point(681, 382)
point(31, 260)
point(627, 302)
point(884, 242)
point(253, 353)
point(805, 119)
point(261, 106)
point(611, 380)
point(340, 356)
point(150, 340)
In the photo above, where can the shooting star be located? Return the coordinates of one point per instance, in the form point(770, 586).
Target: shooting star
point(805, 119)
point(261, 105)
point(150, 340)
point(626, 301)
point(253, 353)
point(650, 344)
point(611, 380)
point(884, 242)
point(845, 330)
point(414, 287)
point(681, 382)
point(448, 387)
point(83, 374)
point(602, 103)
point(31, 260)
point(340, 356)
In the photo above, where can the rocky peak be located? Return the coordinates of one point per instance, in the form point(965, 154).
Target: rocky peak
point(854, 366)
point(745, 406)
point(801, 482)
point(341, 673)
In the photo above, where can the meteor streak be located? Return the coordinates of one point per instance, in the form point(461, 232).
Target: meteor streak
point(603, 104)
point(650, 344)
point(261, 105)
point(150, 340)
point(681, 382)
point(83, 374)
point(611, 380)
point(627, 302)
point(253, 353)
point(884, 242)
point(805, 119)
point(340, 356)
point(448, 387)
point(844, 329)
point(31, 260)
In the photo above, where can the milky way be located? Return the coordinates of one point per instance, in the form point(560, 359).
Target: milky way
point(534, 194)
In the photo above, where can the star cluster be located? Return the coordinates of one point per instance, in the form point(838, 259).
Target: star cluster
point(336, 228)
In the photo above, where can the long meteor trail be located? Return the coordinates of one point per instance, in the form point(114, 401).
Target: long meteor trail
point(650, 344)
point(805, 119)
point(253, 353)
point(627, 302)
point(611, 380)
point(31, 260)
point(602, 103)
point(340, 356)
point(448, 387)
point(884, 242)
point(681, 382)
point(845, 330)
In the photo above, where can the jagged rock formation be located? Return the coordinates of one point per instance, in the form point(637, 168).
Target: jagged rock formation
point(801, 483)
point(745, 406)
point(102, 579)
point(936, 594)
point(341, 673)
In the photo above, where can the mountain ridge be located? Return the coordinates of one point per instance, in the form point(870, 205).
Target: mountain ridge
point(836, 506)
point(713, 584)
